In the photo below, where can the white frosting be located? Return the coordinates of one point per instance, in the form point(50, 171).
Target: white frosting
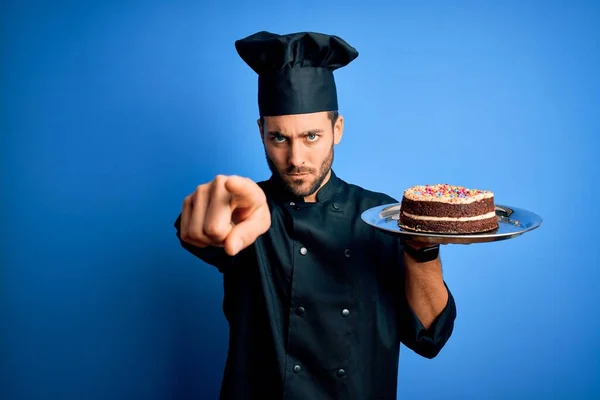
point(459, 219)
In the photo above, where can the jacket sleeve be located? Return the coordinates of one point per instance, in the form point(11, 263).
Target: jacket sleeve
point(426, 342)
point(214, 256)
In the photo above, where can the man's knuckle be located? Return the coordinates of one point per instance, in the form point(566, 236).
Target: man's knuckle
point(198, 194)
point(194, 234)
point(220, 179)
point(214, 230)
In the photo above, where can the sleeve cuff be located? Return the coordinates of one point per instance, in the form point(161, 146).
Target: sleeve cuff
point(429, 342)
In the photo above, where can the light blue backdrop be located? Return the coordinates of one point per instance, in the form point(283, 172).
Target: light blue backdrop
point(112, 112)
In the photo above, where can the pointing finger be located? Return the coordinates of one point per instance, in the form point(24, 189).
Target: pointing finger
point(244, 193)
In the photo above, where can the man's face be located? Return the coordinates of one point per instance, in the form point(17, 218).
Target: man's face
point(299, 149)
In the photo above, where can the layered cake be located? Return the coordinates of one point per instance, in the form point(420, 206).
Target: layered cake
point(447, 209)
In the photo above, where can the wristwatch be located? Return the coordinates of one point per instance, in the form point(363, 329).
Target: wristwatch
point(423, 254)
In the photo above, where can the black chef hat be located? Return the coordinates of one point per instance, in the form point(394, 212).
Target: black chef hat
point(295, 71)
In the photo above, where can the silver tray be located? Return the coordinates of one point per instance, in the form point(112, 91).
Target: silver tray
point(512, 222)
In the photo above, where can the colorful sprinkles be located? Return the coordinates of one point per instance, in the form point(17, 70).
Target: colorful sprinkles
point(445, 190)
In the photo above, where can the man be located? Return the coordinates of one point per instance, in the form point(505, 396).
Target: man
point(317, 301)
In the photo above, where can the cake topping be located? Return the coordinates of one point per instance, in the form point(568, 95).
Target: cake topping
point(445, 190)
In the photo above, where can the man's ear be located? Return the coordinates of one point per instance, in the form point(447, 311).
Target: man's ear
point(260, 130)
point(338, 129)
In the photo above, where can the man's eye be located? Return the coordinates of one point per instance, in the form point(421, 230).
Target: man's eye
point(278, 138)
point(312, 137)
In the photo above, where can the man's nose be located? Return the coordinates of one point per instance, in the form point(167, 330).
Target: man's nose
point(296, 154)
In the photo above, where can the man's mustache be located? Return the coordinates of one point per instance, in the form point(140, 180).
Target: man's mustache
point(299, 170)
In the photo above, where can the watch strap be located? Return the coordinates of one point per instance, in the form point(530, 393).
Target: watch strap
point(423, 254)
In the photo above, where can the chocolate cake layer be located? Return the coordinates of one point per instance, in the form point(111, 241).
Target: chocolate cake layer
point(452, 227)
point(453, 210)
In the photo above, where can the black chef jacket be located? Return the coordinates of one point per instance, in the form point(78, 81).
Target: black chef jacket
point(316, 306)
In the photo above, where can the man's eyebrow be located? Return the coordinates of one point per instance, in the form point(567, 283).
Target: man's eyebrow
point(308, 132)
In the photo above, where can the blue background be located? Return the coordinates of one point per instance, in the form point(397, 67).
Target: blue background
point(112, 112)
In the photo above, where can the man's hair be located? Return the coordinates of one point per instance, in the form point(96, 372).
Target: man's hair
point(332, 115)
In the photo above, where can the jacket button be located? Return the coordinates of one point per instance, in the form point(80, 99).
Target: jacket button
point(340, 372)
point(297, 368)
point(303, 251)
point(336, 206)
point(347, 252)
point(300, 310)
point(345, 312)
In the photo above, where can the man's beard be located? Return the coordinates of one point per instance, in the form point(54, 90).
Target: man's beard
point(294, 187)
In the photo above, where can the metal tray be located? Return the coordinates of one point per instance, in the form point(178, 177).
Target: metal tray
point(513, 222)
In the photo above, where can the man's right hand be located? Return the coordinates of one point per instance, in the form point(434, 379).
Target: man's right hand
point(229, 212)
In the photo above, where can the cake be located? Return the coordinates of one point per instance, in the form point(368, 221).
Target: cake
point(447, 209)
